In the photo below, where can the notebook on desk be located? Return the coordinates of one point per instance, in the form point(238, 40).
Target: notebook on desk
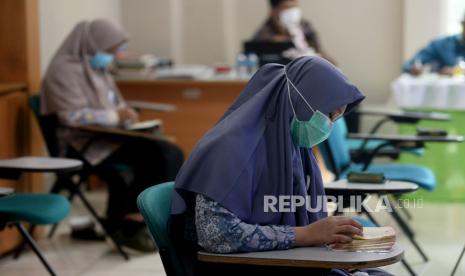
point(374, 239)
point(145, 125)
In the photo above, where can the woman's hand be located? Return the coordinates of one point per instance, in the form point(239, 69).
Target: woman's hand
point(416, 71)
point(127, 114)
point(447, 71)
point(329, 230)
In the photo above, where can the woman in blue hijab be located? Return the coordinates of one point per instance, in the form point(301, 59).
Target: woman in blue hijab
point(259, 152)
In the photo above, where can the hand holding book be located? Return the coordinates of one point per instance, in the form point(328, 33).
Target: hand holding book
point(374, 239)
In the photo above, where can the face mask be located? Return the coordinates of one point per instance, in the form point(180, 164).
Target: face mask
point(309, 133)
point(101, 60)
point(290, 17)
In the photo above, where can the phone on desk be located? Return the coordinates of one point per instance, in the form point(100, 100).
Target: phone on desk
point(366, 177)
point(431, 132)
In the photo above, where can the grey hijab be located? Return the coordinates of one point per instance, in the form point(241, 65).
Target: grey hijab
point(70, 83)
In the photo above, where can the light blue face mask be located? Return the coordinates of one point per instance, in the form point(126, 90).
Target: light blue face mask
point(309, 133)
point(101, 60)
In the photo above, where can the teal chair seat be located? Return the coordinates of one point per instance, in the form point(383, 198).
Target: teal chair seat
point(36, 209)
point(422, 176)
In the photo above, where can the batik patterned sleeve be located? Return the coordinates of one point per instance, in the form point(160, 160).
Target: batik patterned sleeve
point(220, 231)
point(90, 116)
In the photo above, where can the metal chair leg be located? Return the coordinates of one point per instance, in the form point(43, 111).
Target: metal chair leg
point(408, 267)
point(100, 221)
point(408, 232)
point(34, 247)
point(58, 186)
point(404, 210)
point(71, 195)
point(404, 262)
point(21, 247)
point(458, 262)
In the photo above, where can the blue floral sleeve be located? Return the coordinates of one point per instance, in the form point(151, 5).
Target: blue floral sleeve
point(220, 231)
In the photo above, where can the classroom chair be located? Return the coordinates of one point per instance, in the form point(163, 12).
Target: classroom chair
point(35, 209)
point(336, 156)
point(155, 206)
point(48, 125)
point(360, 149)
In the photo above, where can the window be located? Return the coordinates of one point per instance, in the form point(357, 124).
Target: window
point(455, 12)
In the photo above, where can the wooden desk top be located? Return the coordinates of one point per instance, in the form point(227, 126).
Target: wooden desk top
point(7, 87)
point(40, 164)
point(311, 257)
point(124, 133)
point(389, 187)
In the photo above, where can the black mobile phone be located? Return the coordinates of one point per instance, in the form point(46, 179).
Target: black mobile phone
point(431, 132)
point(366, 177)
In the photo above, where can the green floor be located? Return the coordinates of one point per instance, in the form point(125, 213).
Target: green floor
point(446, 160)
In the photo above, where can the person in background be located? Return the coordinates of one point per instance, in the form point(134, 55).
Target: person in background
point(264, 142)
point(442, 54)
point(79, 89)
point(285, 24)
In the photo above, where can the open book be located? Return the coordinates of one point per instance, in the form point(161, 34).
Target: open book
point(374, 239)
point(144, 125)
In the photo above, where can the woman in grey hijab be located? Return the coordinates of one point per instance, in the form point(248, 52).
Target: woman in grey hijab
point(79, 89)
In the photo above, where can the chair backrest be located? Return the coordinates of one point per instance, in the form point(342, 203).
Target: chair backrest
point(48, 125)
point(155, 206)
point(335, 151)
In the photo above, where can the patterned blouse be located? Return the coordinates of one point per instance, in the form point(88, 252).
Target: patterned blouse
point(100, 148)
point(220, 231)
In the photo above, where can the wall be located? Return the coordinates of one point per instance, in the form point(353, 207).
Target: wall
point(363, 36)
point(422, 23)
point(58, 17)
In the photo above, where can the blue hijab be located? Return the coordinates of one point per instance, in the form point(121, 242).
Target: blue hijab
point(249, 153)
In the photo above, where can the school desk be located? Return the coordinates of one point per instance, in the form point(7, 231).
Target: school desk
point(310, 257)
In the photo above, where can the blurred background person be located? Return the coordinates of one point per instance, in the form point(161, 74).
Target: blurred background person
point(79, 89)
point(442, 55)
point(285, 24)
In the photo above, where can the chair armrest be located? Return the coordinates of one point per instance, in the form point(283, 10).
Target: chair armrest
point(402, 141)
point(152, 106)
point(122, 133)
point(395, 139)
point(406, 116)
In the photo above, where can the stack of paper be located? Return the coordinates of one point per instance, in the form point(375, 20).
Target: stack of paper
point(374, 239)
point(151, 124)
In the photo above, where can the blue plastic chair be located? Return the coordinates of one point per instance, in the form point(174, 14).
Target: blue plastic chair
point(35, 209)
point(336, 154)
point(155, 206)
point(48, 125)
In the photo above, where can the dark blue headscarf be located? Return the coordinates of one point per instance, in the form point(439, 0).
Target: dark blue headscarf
point(249, 153)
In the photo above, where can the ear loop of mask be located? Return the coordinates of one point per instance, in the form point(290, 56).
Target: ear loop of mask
point(298, 92)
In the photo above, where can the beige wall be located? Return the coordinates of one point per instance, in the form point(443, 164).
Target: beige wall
point(423, 22)
point(365, 39)
point(58, 17)
point(364, 36)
